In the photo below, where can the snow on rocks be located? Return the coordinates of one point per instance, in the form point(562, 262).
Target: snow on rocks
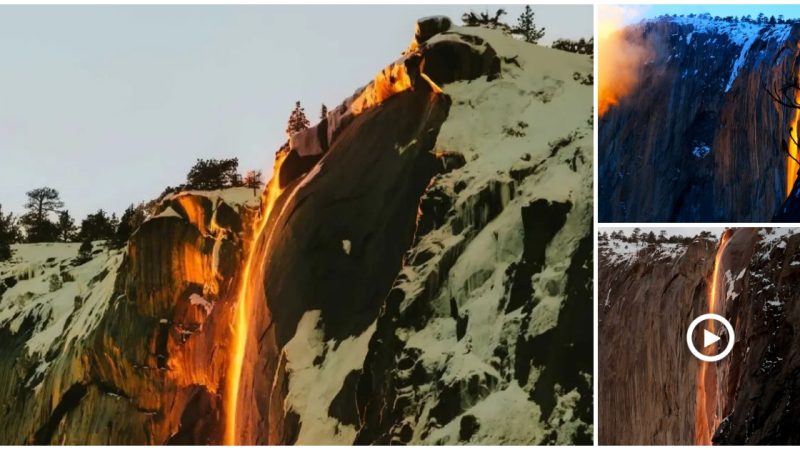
point(742, 34)
point(61, 313)
point(309, 360)
point(457, 274)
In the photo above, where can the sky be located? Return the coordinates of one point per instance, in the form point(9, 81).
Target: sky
point(650, 11)
point(111, 104)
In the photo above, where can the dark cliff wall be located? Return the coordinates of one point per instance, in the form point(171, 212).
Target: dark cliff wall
point(648, 379)
point(760, 381)
point(647, 170)
point(646, 374)
point(342, 230)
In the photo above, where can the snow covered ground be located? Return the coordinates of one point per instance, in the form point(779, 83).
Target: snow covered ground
point(63, 299)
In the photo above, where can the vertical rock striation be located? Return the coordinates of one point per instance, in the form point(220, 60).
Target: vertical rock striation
point(699, 139)
point(650, 293)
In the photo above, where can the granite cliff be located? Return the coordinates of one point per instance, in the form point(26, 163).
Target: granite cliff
point(699, 138)
point(649, 293)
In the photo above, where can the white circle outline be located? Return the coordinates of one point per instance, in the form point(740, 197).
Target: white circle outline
point(693, 325)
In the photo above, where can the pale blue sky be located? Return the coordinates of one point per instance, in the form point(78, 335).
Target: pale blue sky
point(110, 104)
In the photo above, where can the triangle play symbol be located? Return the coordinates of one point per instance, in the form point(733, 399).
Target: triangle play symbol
point(709, 338)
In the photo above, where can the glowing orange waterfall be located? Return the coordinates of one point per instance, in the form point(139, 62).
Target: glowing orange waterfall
point(707, 421)
point(244, 305)
point(791, 164)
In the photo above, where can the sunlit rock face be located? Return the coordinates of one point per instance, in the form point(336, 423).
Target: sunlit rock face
point(430, 269)
point(648, 295)
point(699, 138)
point(137, 355)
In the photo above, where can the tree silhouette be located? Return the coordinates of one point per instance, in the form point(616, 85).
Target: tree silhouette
point(128, 223)
point(7, 234)
point(323, 112)
point(484, 19)
point(213, 174)
point(253, 180)
point(527, 28)
point(786, 93)
point(66, 226)
point(41, 203)
point(97, 226)
point(297, 120)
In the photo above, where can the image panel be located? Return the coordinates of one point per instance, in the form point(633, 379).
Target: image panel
point(698, 111)
point(296, 225)
point(697, 341)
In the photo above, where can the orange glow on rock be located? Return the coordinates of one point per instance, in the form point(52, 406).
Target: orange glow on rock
point(241, 326)
point(390, 81)
point(620, 56)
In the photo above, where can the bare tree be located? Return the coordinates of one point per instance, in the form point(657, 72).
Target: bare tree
point(786, 93)
point(253, 179)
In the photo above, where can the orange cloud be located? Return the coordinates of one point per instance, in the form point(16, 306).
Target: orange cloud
point(619, 56)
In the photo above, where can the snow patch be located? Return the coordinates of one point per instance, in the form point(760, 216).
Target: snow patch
point(317, 369)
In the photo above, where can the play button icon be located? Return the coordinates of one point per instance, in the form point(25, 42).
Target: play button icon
point(709, 338)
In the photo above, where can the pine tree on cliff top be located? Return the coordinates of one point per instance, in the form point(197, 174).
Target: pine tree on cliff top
point(527, 28)
point(41, 203)
point(66, 226)
point(323, 112)
point(297, 120)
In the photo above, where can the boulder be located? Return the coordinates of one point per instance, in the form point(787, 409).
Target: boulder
point(455, 57)
point(427, 27)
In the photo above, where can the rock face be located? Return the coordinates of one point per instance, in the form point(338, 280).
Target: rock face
point(761, 385)
point(420, 277)
point(650, 293)
point(127, 349)
point(429, 277)
point(699, 139)
point(646, 391)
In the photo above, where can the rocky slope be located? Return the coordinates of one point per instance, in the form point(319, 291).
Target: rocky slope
point(125, 349)
point(699, 139)
point(445, 341)
point(649, 294)
point(419, 277)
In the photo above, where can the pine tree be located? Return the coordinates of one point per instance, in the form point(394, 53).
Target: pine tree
point(252, 179)
point(6, 234)
point(125, 227)
point(97, 226)
point(297, 120)
point(212, 174)
point(323, 112)
point(527, 28)
point(66, 226)
point(41, 203)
